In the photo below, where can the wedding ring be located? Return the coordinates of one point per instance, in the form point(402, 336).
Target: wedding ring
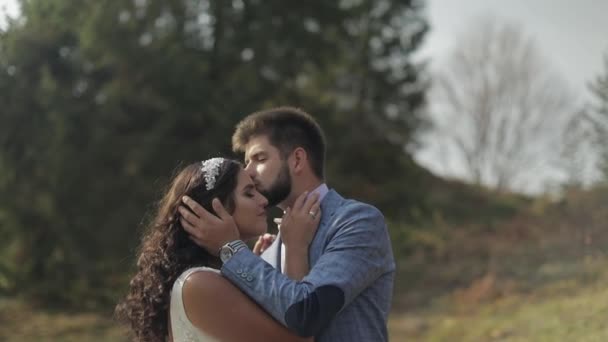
point(312, 214)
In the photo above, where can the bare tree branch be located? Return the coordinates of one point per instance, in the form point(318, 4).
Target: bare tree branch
point(501, 106)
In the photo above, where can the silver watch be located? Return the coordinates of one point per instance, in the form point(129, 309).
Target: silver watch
point(229, 249)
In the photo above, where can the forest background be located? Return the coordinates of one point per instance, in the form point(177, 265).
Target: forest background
point(101, 101)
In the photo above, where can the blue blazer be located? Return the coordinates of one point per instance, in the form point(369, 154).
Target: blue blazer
point(347, 294)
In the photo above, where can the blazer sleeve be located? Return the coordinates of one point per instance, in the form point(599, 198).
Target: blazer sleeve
point(357, 253)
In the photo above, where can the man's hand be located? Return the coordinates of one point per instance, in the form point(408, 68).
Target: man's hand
point(207, 230)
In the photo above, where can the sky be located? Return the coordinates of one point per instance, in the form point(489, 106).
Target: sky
point(7, 6)
point(572, 35)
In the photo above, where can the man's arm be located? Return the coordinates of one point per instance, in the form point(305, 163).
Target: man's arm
point(357, 254)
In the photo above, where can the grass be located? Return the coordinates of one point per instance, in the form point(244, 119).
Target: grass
point(570, 309)
point(560, 300)
point(535, 277)
point(21, 322)
point(564, 311)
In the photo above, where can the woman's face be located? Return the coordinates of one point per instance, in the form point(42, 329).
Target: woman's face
point(249, 208)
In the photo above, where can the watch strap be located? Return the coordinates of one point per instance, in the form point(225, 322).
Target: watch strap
point(233, 247)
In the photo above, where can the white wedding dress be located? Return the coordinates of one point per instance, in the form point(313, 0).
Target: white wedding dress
point(182, 329)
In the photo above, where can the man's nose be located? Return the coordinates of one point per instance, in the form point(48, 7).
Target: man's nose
point(250, 170)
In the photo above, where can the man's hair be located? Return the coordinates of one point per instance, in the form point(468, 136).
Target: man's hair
point(287, 128)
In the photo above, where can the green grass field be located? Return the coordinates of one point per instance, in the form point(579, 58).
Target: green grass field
point(531, 278)
point(21, 323)
point(570, 309)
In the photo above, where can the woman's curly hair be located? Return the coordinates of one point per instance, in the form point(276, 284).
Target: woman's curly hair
point(166, 251)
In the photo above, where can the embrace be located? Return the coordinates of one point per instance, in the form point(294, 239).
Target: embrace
point(327, 275)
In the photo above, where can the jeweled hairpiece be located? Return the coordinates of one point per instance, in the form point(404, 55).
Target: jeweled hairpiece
point(211, 168)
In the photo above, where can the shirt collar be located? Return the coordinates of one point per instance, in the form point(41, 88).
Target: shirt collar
point(322, 190)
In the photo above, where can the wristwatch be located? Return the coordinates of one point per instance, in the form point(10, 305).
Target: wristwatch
point(229, 249)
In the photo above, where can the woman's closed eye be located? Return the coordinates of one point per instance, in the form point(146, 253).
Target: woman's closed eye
point(249, 191)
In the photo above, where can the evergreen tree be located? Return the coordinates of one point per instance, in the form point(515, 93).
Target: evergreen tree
point(599, 119)
point(102, 99)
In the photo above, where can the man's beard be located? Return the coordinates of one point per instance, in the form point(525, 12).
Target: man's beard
point(278, 191)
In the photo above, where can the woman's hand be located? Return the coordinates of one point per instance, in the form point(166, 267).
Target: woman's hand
point(298, 228)
point(263, 243)
point(299, 224)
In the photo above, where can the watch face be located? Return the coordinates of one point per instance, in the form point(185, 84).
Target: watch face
point(225, 254)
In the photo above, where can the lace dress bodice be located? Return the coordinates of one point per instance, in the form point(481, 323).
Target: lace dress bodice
point(181, 328)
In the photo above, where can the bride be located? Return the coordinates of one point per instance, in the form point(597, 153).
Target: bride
point(177, 293)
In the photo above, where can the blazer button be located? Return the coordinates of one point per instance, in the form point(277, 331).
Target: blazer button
point(244, 275)
point(250, 278)
point(239, 271)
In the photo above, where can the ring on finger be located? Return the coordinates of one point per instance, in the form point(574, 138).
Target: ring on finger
point(312, 214)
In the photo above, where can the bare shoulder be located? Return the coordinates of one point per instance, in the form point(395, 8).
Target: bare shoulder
point(202, 285)
point(222, 311)
point(203, 293)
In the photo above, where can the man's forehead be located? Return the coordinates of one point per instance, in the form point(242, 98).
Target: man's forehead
point(256, 144)
point(252, 149)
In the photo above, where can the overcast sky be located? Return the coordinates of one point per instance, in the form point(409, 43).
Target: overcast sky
point(573, 35)
point(9, 6)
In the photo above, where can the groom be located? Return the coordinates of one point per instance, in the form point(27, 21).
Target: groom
point(347, 294)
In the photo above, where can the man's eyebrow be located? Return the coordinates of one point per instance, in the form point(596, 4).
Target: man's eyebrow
point(254, 155)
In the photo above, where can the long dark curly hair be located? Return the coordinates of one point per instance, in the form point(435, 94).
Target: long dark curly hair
point(166, 251)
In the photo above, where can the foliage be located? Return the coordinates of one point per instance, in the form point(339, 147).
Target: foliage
point(102, 99)
point(599, 118)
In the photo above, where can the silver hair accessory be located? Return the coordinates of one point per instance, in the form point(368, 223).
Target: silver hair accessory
point(211, 168)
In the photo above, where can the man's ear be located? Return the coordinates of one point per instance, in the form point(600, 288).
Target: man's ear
point(299, 160)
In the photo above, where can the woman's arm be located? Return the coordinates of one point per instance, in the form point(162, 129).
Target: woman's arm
point(296, 262)
point(298, 228)
point(221, 310)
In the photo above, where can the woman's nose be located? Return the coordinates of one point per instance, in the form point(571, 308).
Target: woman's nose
point(263, 201)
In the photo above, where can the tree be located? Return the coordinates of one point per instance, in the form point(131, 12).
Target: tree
point(576, 152)
point(102, 99)
point(598, 117)
point(499, 107)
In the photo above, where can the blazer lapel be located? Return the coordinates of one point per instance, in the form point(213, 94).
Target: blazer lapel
point(329, 205)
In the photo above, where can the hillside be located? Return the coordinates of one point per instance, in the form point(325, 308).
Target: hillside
point(533, 276)
point(485, 267)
